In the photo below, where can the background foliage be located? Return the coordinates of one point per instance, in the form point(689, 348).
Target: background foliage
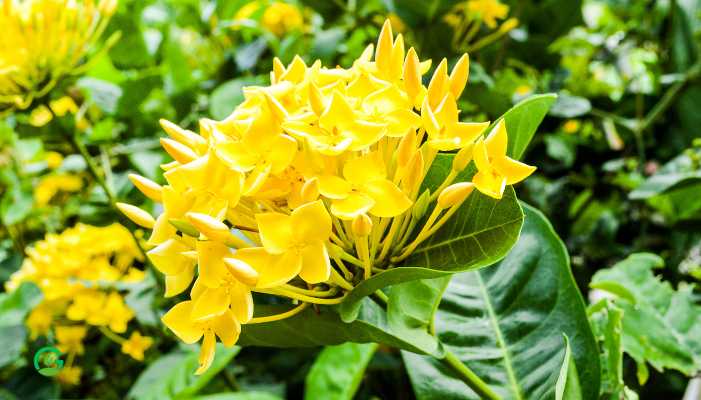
point(618, 189)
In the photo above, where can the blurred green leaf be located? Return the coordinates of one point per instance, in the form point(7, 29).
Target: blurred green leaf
point(568, 106)
point(173, 375)
point(14, 307)
point(338, 371)
point(523, 119)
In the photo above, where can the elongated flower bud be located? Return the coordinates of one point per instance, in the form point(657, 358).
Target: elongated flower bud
point(383, 53)
point(362, 225)
point(462, 158)
point(180, 152)
point(137, 215)
point(421, 205)
point(184, 136)
point(209, 226)
point(149, 188)
point(455, 194)
point(437, 86)
point(243, 272)
point(459, 75)
point(412, 75)
point(406, 149)
point(184, 227)
point(414, 172)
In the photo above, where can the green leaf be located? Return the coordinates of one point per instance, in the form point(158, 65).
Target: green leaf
point(663, 326)
point(236, 396)
point(681, 170)
point(324, 327)
point(567, 386)
point(14, 307)
point(523, 119)
point(506, 323)
point(173, 375)
point(606, 321)
point(338, 370)
point(568, 106)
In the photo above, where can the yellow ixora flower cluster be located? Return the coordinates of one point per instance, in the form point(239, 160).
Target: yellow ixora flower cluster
point(78, 272)
point(43, 41)
point(310, 186)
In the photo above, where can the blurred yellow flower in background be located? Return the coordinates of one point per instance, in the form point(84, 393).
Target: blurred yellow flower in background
point(488, 10)
point(50, 185)
point(78, 272)
point(44, 41)
point(278, 17)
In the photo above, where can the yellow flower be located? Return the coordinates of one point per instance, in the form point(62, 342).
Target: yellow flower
point(43, 42)
point(53, 159)
point(523, 90)
point(73, 270)
point(298, 241)
point(495, 168)
point(70, 338)
point(364, 189)
point(136, 345)
point(488, 10)
point(40, 116)
point(178, 319)
point(397, 23)
point(50, 185)
point(278, 17)
point(311, 183)
point(69, 375)
point(570, 126)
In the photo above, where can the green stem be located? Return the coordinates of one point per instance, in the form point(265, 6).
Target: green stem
point(470, 378)
point(80, 147)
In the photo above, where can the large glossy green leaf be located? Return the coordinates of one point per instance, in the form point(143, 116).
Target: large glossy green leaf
point(173, 375)
point(324, 327)
point(338, 371)
point(523, 119)
point(662, 326)
point(507, 323)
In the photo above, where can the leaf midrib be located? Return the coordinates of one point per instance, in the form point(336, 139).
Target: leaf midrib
point(459, 238)
point(499, 338)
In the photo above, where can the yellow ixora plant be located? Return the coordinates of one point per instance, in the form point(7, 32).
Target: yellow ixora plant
point(43, 41)
point(78, 272)
point(312, 185)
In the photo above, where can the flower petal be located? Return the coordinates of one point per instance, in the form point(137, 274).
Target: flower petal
point(490, 184)
point(497, 140)
point(176, 284)
point(241, 302)
point(210, 261)
point(316, 267)
point(282, 153)
point(389, 200)
point(311, 222)
point(333, 187)
point(167, 257)
point(227, 328)
point(206, 352)
point(369, 167)
point(177, 319)
point(352, 206)
point(211, 303)
point(514, 171)
point(273, 270)
point(276, 231)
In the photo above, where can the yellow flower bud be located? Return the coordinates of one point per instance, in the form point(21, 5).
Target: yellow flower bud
point(137, 215)
point(406, 149)
point(180, 152)
point(421, 205)
point(242, 271)
point(462, 158)
point(362, 225)
point(184, 136)
point(149, 188)
point(209, 226)
point(455, 194)
point(459, 75)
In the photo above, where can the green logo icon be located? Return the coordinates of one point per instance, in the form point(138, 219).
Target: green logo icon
point(49, 357)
